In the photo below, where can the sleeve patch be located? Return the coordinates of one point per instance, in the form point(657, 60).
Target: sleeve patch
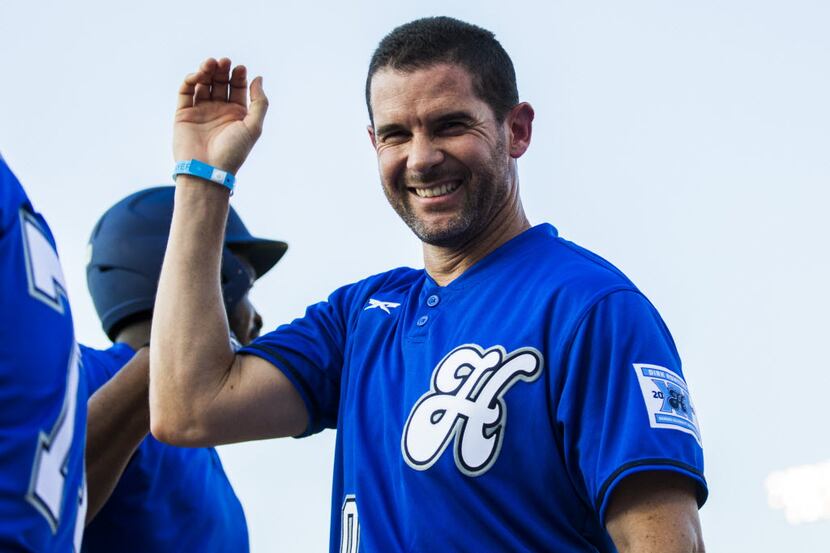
point(667, 399)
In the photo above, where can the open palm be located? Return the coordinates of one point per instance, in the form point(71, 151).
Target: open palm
point(214, 122)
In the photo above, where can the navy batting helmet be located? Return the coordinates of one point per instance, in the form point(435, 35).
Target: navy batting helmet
point(127, 247)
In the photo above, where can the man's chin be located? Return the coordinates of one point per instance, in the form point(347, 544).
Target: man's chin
point(448, 235)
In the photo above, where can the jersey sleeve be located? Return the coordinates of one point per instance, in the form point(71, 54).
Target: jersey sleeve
point(310, 352)
point(624, 405)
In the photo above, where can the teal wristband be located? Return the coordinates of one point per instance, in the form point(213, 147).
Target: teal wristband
point(202, 170)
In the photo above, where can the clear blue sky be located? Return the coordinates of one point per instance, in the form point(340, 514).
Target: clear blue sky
point(687, 142)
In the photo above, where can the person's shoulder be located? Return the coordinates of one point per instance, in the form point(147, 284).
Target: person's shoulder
point(99, 365)
point(395, 282)
point(12, 197)
point(567, 266)
point(17, 211)
point(400, 278)
point(118, 353)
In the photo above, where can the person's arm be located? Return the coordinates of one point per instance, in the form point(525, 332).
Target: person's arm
point(118, 419)
point(634, 447)
point(201, 393)
point(655, 512)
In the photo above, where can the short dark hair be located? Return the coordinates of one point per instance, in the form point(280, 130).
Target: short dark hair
point(432, 40)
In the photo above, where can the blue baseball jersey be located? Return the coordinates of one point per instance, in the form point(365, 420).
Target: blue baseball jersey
point(42, 395)
point(169, 499)
point(497, 413)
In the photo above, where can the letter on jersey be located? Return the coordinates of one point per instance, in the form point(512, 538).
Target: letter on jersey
point(465, 403)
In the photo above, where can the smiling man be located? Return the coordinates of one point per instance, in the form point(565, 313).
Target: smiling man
point(517, 394)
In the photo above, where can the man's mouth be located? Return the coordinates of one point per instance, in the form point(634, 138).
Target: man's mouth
point(438, 190)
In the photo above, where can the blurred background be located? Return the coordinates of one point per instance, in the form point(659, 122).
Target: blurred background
point(687, 142)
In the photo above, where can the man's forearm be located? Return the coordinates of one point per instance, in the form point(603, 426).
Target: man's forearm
point(190, 352)
point(191, 357)
point(118, 419)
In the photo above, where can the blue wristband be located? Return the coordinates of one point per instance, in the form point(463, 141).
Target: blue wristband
point(204, 171)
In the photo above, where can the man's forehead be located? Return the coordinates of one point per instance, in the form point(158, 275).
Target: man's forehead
point(394, 90)
point(443, 73)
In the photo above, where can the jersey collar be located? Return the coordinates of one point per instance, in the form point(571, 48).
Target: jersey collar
point(517, 247)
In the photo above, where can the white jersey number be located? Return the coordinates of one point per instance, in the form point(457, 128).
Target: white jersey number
point(48, 480)
point(46, 282)
point(349, 526)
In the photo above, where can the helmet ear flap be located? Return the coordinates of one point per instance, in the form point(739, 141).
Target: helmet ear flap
point(120, 296)
point(235, 279)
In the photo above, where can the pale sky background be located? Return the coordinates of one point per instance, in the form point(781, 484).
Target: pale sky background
point(687, 142)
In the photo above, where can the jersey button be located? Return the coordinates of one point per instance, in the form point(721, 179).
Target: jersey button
point(433, 300)
point(422, 321)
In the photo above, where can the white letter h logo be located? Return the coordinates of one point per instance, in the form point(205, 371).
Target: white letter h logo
point(465, 402)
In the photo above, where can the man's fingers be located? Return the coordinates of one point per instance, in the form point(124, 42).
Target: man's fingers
point(214, 81)
point(186, 91)
point(188, 88)
point(204, 78)
point(239, 86)
point(220, 80)
point(258, 107)
point(202, 93)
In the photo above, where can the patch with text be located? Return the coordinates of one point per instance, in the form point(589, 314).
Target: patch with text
point(667, 399)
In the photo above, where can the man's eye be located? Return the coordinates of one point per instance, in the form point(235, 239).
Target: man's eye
point(395, 136)
point(452, 126)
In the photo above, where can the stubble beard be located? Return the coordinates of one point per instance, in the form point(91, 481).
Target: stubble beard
point(486, 192)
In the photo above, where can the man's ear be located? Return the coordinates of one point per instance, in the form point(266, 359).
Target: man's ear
point(519, 123)
point(371, 132)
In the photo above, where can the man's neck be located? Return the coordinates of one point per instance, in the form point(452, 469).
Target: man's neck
point(136, 335)
point(447, 264)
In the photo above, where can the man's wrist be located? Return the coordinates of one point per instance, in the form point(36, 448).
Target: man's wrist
point(205, 203)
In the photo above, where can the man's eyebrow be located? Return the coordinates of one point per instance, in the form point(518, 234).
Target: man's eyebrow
point(454, 115)
point(386, 129)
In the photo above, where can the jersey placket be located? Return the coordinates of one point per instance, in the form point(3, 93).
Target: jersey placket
point(427, 311)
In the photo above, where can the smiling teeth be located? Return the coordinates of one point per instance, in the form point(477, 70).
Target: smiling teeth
point(440, 190)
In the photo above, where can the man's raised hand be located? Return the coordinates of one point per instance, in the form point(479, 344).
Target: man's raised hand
point(214, 122)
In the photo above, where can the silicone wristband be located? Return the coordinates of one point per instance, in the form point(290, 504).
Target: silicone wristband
point(202, 170)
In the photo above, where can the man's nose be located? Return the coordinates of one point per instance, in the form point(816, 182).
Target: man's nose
point(423, 154)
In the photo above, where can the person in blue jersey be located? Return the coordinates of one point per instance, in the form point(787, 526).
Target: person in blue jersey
point(43, 415)
point(45, 498)
point(168, 498)
point(519, 393)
